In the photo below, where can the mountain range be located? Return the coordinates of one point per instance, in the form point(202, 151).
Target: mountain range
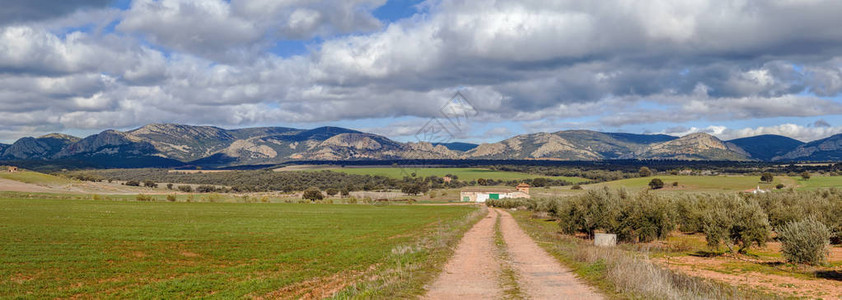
point(168, 145)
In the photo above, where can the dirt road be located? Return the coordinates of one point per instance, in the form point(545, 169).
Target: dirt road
point(474, 270)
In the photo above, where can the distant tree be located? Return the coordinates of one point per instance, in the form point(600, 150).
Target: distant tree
point(767, 177)
point(133, 183)
point(482, 181)
point(539, 182)
point(414, 188)
point(185, 188)
point(645, 172)
point(331, 192)
point(345, 192)
point(656, 183)
point(313, 194)
point(805, 175)
point(150, 184)
point(169, 186)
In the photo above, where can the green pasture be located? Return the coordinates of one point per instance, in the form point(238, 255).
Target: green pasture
point(701, 183)
point(465, 174)
point(34, 177)
point(52, 248)
point(817, 182)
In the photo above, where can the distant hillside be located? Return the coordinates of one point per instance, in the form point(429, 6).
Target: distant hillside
point(767, 146)
point(696, 146)
point(171, 145)
point(828, 149)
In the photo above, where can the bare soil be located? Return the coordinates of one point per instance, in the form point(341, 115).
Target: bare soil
point(472, 272)
point(540, 275)
point(713, 268)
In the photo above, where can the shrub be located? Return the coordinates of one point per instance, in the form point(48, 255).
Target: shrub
point(150, 184)
point(779, 186)
point(645, 172)
point(331, 192)
point(767, 177)
point(737, 223)
point(133, 183)
point(169, 186)
point(805, 242)
point(185, 188)
point(142, 197)
point(345, 192)
point(576, 187)
point(312, 194)
point(643, 217)
point(171, 198)
point(205, 189)
point(805, 175)
point(656, 183)
point(675, 183)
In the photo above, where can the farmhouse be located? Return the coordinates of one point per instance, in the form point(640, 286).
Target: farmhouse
point(13, 169)
point(758, 190)
point(482, 194)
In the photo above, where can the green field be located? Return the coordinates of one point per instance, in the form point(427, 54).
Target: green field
point(817, 182)
point(34, 177)
point(465, 174)
point(702, 183)
point(116, 249)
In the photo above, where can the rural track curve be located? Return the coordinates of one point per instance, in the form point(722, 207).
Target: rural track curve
point(474, 270)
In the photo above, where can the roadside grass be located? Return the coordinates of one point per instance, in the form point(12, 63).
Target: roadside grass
point(700, 183)
point(508, 275)
point(412, 267)
point(55, 248)
point(464, 174)
point(623, 274)
point(35, 178)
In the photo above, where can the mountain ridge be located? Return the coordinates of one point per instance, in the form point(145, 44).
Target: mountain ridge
point(168, 144)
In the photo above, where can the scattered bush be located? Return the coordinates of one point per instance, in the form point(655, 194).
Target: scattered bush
point(634, 218)
point(331, 192)
point(645, 172)
point(805, 175)
point(805, 242)
point(171, 198)
point(150, 184)
point(313, 194)
point(576, 187)
point(656, 183)
point(185, 188)
point(205, 189)
point(779, 186)
point(132, 183)
point(145, 198)
point(675, 183)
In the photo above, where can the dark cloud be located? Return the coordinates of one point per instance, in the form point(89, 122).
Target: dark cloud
point(14, 11)
point(615, 62)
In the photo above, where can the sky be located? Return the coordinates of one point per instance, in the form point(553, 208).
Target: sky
point(732, 68)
